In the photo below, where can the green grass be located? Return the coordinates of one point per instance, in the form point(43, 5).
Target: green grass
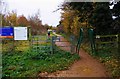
point(30, 64)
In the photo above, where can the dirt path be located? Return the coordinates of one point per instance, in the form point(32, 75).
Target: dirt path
point(85, 67)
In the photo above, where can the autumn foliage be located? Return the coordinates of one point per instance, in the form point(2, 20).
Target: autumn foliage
point(33, 22)
point(22, 21)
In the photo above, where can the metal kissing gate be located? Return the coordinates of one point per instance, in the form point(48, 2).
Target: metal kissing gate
point(62, 44)
point(91, 39)
point(50, 45)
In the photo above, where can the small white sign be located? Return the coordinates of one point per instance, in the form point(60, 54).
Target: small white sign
point(97, 36)
point(20, 33)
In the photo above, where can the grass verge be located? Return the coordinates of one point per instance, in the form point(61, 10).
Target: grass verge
point(108, 56)
point(30, 64)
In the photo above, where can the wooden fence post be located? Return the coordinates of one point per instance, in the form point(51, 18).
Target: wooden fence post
point(71, 48)
point(13, 46)
point(52, 47)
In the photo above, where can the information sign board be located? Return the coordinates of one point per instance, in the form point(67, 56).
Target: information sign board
point(6, 32)
point(20, 33)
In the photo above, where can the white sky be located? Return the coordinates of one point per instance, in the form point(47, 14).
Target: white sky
point(30, 7)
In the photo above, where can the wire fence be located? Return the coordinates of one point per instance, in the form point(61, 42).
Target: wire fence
point(41, 44)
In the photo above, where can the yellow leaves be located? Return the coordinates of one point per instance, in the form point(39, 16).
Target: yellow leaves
point(12, 18)
point(87, 70)
point(112, 65)
point(70, 22)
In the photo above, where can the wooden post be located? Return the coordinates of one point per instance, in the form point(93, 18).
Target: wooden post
point(52, 47)
point(71, 48)
point(29, 37)
point(31, 43)
point(37, 44)
point(13, 46)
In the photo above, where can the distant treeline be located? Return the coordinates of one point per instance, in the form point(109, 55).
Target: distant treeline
point(34, 22)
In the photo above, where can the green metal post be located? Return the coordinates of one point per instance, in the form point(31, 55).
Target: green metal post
point(92, 41)
point(79, 40)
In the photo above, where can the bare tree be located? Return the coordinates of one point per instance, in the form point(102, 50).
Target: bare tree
point(3, 9)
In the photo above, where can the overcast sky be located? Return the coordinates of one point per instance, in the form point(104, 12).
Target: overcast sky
point(30, 7)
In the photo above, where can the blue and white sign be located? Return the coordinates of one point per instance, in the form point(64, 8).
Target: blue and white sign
point(6, 32)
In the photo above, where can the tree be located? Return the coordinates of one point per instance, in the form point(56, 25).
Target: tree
point(47, 26)
point(75, 16)
point(101, 18)
point(4, 23)
point(22, 21)
point(3, 8)
point(60, 28)
point(95, 15)
point(11, 19)
point(116, 22)
point(36, 25)
point(84, 9)
point(67, 19)
point(116, 10)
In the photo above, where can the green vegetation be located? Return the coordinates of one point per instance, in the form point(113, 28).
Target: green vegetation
point(109, 57)
point(9, 45)
point(107, 54)
point(29, 64)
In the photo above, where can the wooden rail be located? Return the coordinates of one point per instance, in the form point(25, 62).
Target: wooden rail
point(109, 41)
